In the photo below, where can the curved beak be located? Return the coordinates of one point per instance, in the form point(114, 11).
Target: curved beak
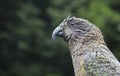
point(58, 31)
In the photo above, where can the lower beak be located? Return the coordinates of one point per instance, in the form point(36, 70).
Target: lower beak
point(58, 31)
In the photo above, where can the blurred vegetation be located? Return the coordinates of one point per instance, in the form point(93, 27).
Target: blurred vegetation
point(26, 48)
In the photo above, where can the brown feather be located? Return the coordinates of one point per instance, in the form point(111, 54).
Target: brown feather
point(90, 55)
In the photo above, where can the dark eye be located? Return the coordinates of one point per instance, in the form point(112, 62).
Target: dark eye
point(72, 24)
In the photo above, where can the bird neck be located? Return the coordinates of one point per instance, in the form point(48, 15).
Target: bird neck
point(77, 48)
point(76, 43)
point(77, 60)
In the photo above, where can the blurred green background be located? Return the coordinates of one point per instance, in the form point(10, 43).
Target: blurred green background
point(26, 48)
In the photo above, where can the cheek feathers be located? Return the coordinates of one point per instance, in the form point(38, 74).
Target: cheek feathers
point(68, 31)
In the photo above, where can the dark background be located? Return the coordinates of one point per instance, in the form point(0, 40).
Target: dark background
point(26, 47)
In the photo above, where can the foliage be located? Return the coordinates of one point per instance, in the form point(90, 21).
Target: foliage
point(26, 48)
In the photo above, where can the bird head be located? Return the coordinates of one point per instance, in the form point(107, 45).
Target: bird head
point(72, 28)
